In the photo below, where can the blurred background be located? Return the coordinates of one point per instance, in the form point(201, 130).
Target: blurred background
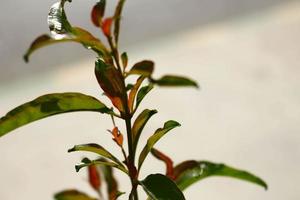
point(244, 54)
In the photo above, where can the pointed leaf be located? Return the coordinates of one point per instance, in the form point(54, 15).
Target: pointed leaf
point(159, 187)
point(94, 177)
point(79, 35)
point(167, 160)
point(86, 163)
point(48, 105)
point(117, 136)
point(96, 148)
point(170, 80)
point(112, 184)
point(111, 82)
point(117, 16)
point(144, 68)
point(139, 125)
point(57, 19)
point(62, 31)
point(133, 92)
point(142, 93)
point(159, 133)
point(124, 58)
point(190, 172)
point(106, 26)
point(72, 195)
point(98, 13)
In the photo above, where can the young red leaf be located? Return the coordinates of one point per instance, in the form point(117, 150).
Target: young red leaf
point(168, 161)
point(111, 81)
point(98, 12)
point(117, 136)
point(94, 177)
point(106, 26)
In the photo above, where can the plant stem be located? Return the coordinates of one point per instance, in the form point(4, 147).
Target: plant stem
point(131, 166)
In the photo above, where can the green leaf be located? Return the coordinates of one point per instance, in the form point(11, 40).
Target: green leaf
point(86, 162)
point(124, 58)
point(144, 68)
point(189, 172)
point(117, 16)
point(96, 148)
point(98, 13)
point(79, 35)
point(72, 195)
point(139, 125)
point(159, 133)
point(159, 187)
point(142, 93)
point(48, 105)
point(62, 31)
point(170, 80)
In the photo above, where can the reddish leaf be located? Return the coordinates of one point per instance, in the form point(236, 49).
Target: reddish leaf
point(98, 12)
point(168, 161)
point(133, 92)
point(184, 166)
point(106, 26)
point(117, 136)
point(94, 177)
point(111, 81)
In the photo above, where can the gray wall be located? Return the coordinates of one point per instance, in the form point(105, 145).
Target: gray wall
point(22, 21)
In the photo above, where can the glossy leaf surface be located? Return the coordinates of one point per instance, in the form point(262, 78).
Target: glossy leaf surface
point(48, 105)
point(62, 31)
point(57, 19)
point(79, 35)
point(159, 133)
point(159, 187)
point(72, 195)
point(111, 82)
point(144, 68)
point(139, 125)
point(96, 148)
point(190, 172)
point(179, 81)
point(101, 162)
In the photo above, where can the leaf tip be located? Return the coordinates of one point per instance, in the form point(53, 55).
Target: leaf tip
point(77, 168)
point(71, 150)
point(26, 58)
